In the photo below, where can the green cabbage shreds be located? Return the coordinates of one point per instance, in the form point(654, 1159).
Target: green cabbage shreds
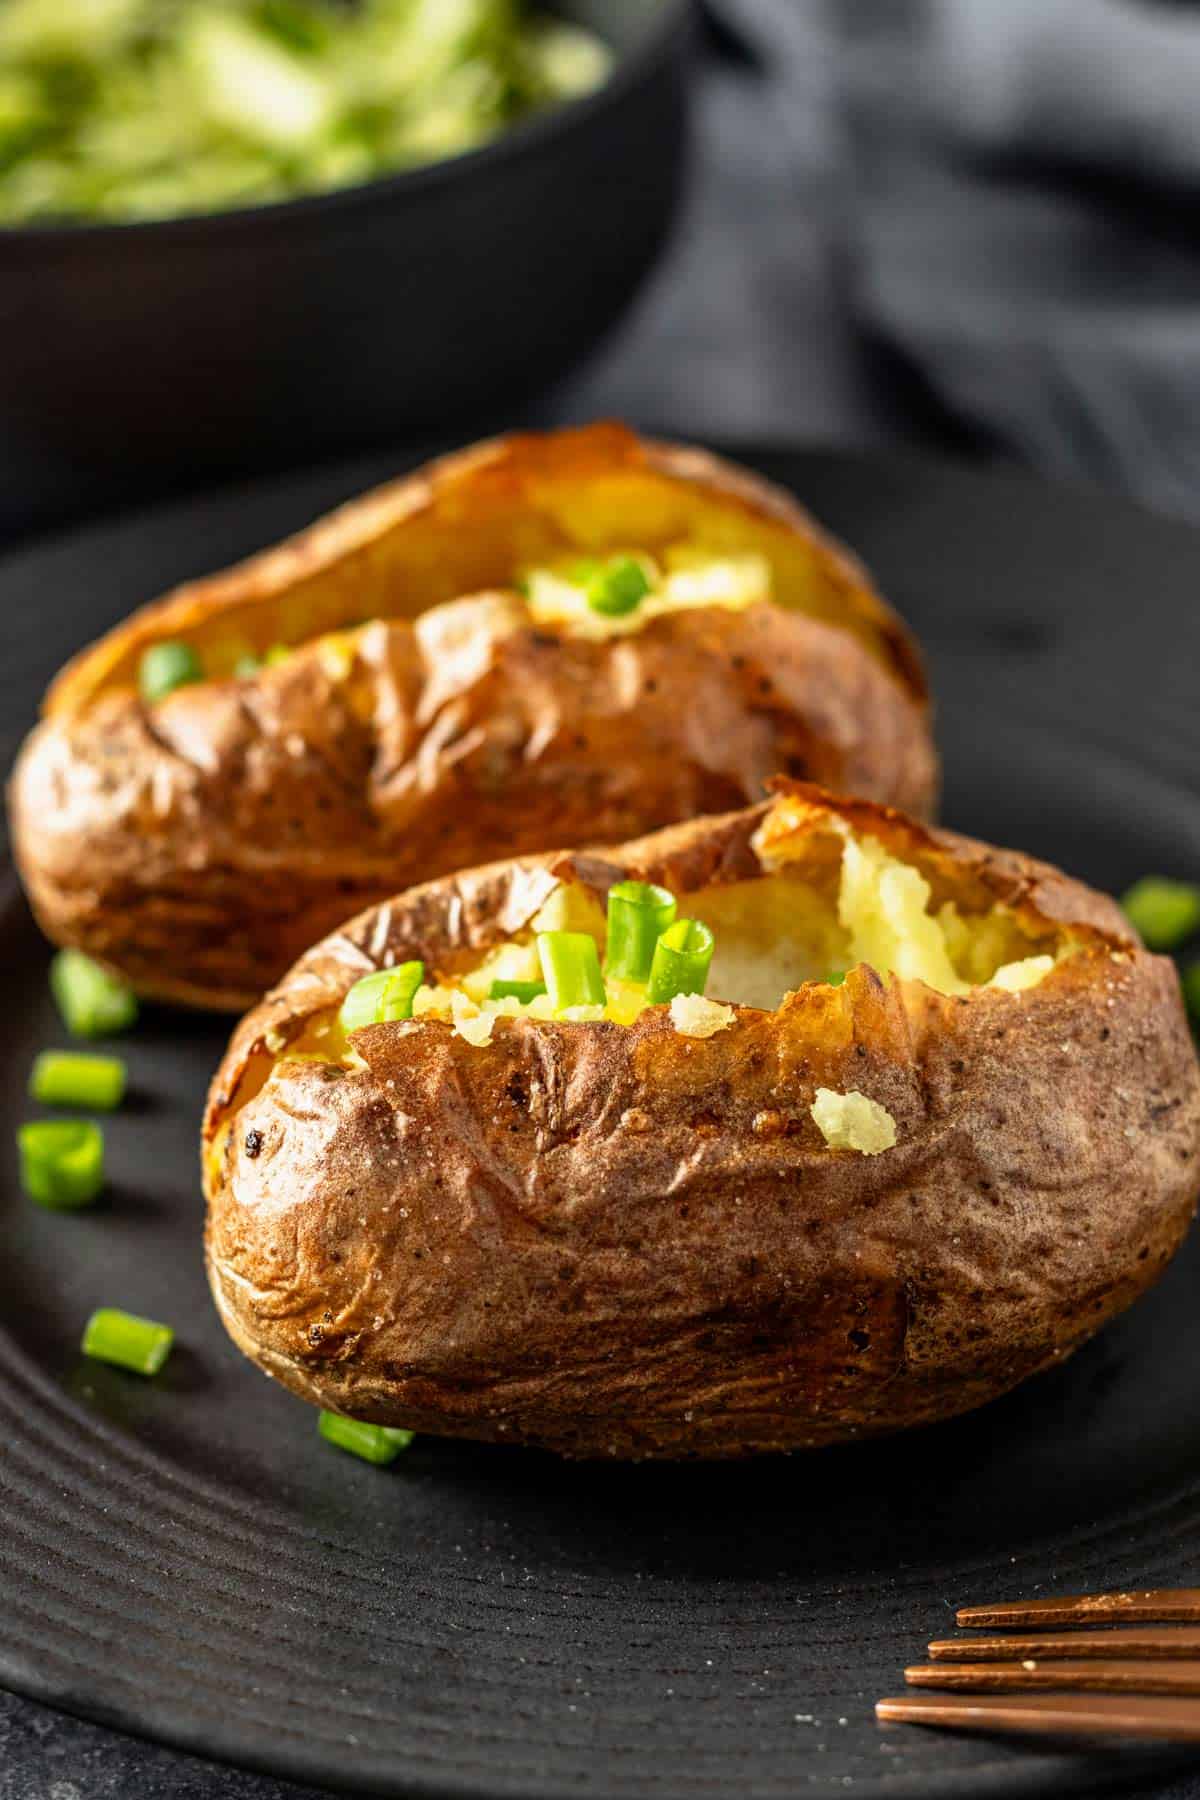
point(136, 109)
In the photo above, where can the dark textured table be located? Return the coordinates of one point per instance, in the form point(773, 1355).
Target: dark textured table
point(741, 333)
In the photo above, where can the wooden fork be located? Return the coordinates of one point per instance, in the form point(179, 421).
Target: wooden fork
point(1053, 1675)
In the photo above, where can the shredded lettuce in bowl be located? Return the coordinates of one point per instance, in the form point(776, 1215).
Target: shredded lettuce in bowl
point(136, 109)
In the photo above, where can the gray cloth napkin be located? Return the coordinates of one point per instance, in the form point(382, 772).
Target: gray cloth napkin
point(1022, 217)
point(742, 331)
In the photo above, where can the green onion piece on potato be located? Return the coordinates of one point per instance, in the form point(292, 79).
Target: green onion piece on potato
point(616, 588)
point(681, 963)
point(638, 914)
point(524, 991)
point(379, 998)
point(571, 969)
point(165, 667)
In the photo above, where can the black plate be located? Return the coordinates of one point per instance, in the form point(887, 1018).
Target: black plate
point(184, 1558)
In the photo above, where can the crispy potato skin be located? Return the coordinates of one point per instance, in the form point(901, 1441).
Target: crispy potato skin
point(622, 1242)
point(199, 845)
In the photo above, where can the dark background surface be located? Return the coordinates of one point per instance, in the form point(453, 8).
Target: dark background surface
point(751, 328)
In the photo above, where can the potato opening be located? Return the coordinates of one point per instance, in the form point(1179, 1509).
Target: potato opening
point(836, 900)
point(554, 598)
point(829, 899)
point(843, 900)
point(536, 504)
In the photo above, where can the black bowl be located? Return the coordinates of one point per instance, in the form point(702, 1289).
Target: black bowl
point(141, 357)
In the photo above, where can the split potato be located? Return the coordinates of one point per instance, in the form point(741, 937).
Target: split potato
point(542, 640)
point(934, 1119)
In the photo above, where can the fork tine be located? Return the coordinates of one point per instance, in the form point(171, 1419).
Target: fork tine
point(1162, 1604)
point(1073, 1715)
point(1129, 1640)
point(1132, 1677)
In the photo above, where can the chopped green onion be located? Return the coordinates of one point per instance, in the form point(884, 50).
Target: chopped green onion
point(62, 1161)
point(379, 998)
point(524, 991)
point(638, 914)
point(681, 961)
point(571, 969)
point(165, 667)
point(379, 1444)
point(278, 653)
point(113, 1336)
point(246, 666)
point(835, 977)
point(92, 1002)
point(1190, 978)
point(1164, 913)
point(618, 586)
point(72, 1078)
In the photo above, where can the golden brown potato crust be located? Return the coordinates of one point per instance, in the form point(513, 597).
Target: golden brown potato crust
point(618, 1241)
point(199, 845)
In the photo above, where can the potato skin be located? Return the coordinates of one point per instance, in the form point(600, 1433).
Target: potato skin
point(198, 846)
point(622, 1242)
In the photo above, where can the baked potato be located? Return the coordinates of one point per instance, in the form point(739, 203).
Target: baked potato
point(935, 1119)
point(543, 640)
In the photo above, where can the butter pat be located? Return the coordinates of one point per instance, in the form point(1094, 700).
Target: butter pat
point(1027, 973)
point(469, 1022)
point(694, 1016)
point(853, 1121)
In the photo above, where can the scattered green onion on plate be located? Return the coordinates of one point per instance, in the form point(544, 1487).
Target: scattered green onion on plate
point(75, 1078)
point(1164, 913)
point(121, 1338)
point(378, 1444)
point(92, 1002)
point(62, 1161)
